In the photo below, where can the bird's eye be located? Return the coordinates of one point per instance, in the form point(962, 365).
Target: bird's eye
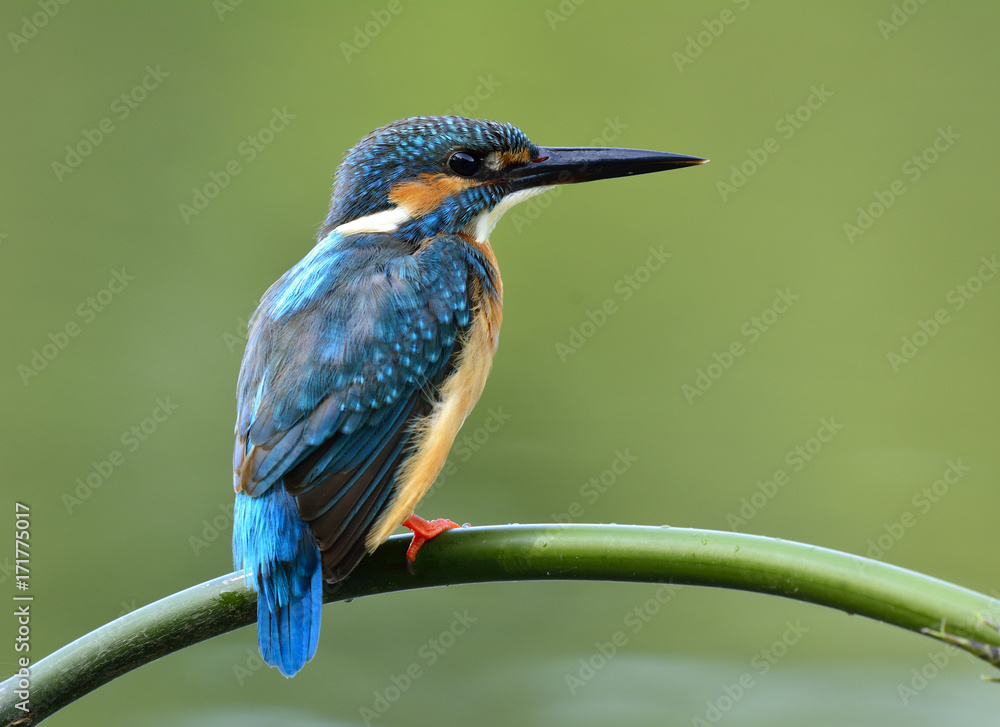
point(464, 164)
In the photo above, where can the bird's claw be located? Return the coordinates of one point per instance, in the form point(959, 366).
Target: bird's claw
point(423, 530)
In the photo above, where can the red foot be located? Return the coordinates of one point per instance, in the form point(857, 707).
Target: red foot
point(423, 531)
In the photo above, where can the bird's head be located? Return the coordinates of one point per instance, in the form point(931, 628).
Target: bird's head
point(427, 175)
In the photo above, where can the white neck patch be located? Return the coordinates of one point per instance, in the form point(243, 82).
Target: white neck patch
point(385, 221)
point(481, 227)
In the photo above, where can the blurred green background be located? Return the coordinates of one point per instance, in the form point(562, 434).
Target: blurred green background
point(822, 108)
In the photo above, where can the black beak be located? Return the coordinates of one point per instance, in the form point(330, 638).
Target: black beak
point(567, 165)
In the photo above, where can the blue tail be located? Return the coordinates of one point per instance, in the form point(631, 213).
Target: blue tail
point(280, 556)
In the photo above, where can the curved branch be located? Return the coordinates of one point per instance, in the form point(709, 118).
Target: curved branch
point(526, 552)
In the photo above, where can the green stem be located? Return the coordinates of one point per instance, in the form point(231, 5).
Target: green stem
point(524, 552)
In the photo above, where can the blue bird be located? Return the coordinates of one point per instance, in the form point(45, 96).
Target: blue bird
point(364, 359)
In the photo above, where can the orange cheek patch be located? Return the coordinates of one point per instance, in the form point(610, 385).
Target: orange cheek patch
point(426, 193)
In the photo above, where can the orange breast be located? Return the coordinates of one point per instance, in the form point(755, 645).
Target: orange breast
point(435, 433)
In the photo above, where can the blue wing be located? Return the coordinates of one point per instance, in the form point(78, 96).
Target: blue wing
point(344, 353)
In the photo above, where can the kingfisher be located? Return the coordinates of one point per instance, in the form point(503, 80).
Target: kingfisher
point(364, 359)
